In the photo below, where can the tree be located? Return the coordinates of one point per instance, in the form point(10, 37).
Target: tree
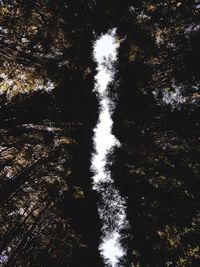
point(156, 121)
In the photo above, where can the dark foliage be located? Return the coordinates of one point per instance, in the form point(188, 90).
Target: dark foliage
point(157, 122)
point(48, 209)
point(47, 111)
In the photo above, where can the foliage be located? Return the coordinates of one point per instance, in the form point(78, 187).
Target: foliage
point(48, 107)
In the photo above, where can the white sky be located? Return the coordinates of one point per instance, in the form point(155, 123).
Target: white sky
point(103, 139)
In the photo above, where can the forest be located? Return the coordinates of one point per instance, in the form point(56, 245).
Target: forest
point(49, 212)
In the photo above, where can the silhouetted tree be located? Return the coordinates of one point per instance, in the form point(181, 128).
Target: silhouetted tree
point(156, 120)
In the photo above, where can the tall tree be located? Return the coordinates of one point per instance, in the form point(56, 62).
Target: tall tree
point(156, 121)
point(48, 211)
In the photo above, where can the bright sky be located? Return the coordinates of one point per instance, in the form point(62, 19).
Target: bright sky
point(103, 139)
point(104, 47)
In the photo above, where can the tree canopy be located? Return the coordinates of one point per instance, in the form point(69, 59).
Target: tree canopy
point(49, 214)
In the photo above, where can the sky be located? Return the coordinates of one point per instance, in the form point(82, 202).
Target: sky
point(104, 140)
